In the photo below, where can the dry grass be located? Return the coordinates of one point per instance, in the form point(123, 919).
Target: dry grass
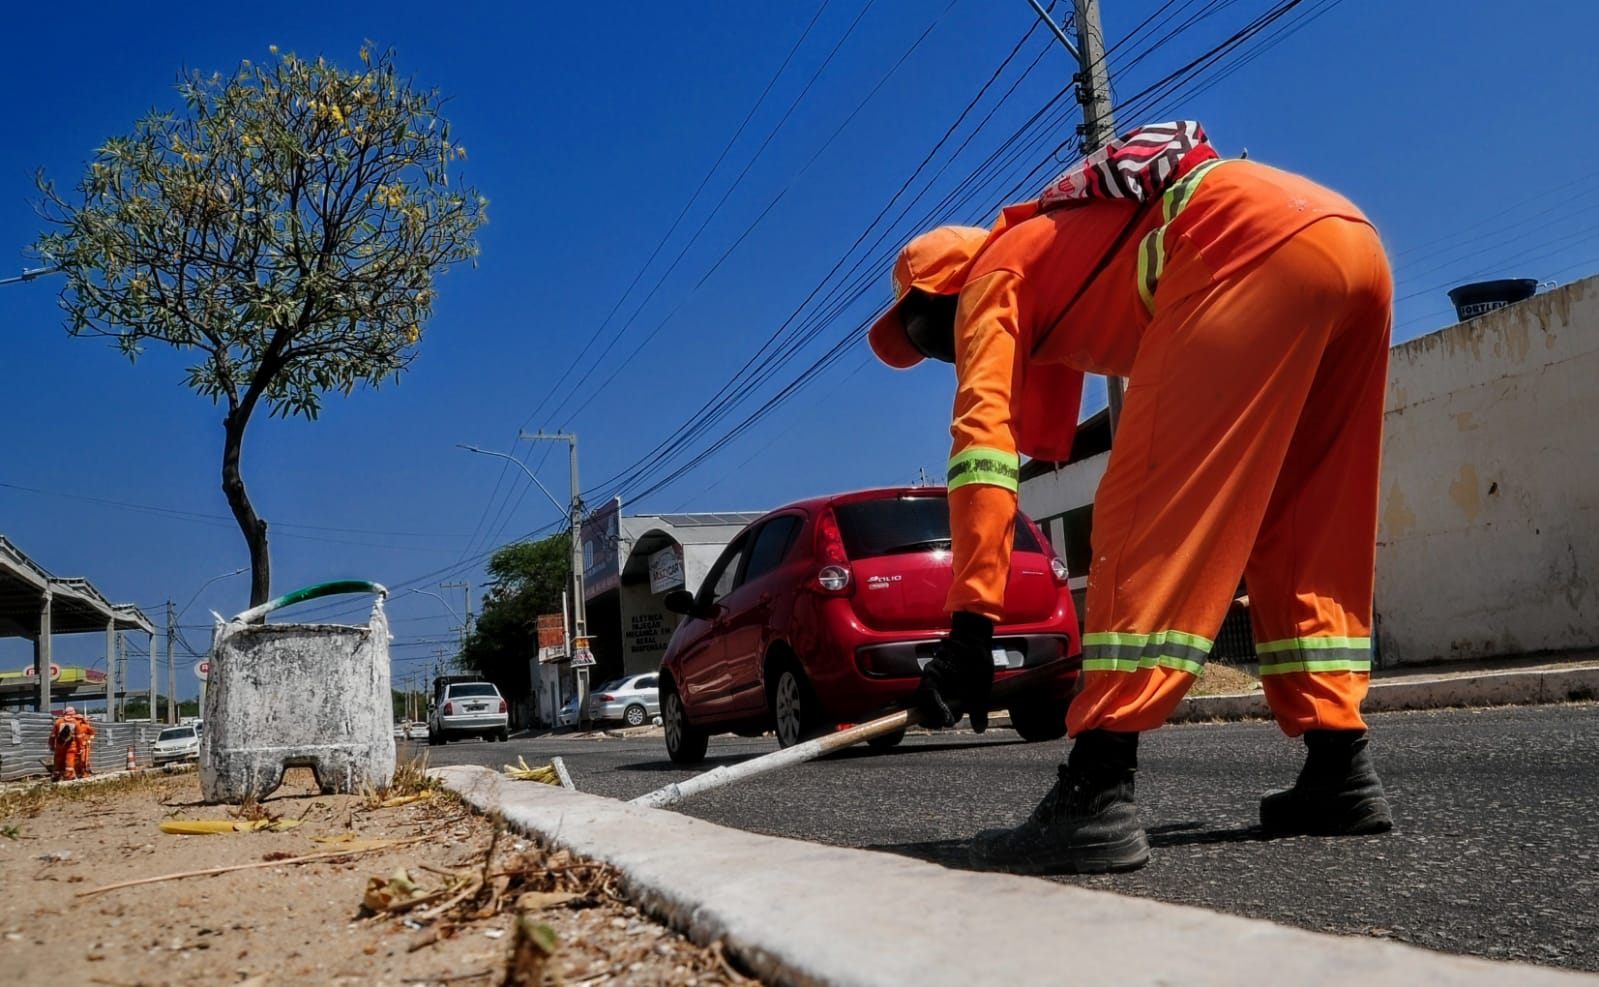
point(1216, 679)
point(29, 800)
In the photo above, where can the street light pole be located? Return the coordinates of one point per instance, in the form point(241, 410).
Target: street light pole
point(575, 509)
point(172, 633)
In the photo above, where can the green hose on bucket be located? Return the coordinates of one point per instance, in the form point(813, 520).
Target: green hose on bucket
point(333, 588)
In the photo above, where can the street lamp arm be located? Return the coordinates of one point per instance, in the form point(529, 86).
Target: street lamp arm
point(441, 599)
point(522, 466)
point(208, 582)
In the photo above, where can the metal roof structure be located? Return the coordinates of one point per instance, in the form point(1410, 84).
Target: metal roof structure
point(76, 606)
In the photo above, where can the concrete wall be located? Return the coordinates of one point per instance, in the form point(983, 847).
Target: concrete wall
point(1489, 540)
point(646, 627)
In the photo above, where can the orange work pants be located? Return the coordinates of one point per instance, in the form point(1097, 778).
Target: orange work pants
point(66, 762)
point(1249, 445)
point(82, 755)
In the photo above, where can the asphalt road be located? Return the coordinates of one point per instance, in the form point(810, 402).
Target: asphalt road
point(1495, 851)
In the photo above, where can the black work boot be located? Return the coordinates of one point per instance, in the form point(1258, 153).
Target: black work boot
point(1087, 824)
point(1337, 793)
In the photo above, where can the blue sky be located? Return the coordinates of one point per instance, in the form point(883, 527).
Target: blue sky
point(1462, 129)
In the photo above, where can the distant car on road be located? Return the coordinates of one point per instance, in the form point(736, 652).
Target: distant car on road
point(469, 709)
point(416, 730)
point(634, 700)
point(824, 612)
point(176, 744)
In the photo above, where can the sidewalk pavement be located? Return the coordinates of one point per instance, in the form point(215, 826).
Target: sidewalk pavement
point(805, 914)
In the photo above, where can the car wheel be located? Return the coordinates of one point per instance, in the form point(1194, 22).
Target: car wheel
point(634, 716)
point(685, 744)
point(504, 735)
point(793, 708)
point(1040, 721)
point(887, 740)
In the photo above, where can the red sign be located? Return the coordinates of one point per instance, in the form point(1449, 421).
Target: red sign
point(55, 672)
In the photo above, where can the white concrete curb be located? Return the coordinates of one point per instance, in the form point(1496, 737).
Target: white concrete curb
point(1491, 689)
point(799, 913)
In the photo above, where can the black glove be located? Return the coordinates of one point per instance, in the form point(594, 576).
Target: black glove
point(960, 676)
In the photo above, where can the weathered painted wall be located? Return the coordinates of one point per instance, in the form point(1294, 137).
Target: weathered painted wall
point(1488, 539)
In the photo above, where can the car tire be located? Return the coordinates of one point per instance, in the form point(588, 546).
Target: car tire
point(1037, 722)
point(434, 739)
point(886, 741)
point(685, 743)
point(793, 708)
point(634, 716)
point(504, 735)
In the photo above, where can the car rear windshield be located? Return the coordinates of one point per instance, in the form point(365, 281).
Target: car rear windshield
point(176, 733)
point(472, 689)
point(906, 524)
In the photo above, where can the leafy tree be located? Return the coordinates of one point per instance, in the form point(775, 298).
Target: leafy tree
point(526, 580)
point(285, 229)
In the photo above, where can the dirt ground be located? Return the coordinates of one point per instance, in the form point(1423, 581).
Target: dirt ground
point(525, 917)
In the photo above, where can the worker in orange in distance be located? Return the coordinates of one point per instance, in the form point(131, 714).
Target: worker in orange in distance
point(63, 742)
point(1250, 310)
point(83, 744)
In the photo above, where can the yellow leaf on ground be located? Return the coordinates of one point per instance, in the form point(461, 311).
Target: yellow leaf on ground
point(206, 827)
point(404, 800)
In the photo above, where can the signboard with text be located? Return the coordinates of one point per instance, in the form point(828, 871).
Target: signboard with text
point(666, 569)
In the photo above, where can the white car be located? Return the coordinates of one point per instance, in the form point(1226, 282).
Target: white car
point(469, 709)
point(416, 730)
point(634, 700)
point(176, 744)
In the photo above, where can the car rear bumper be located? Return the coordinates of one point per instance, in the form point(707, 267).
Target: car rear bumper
point(474, 724)
point(866, 673)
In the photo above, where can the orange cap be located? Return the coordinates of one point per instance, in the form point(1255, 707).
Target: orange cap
point(935, 262)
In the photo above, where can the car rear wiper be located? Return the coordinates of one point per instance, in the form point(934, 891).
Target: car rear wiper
point(916, 546)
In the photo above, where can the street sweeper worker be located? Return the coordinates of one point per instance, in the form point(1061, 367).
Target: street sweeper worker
point(1250, 310)
point(83, 744)
point(63, 743)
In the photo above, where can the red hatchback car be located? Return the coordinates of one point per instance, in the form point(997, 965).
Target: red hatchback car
point(824, 612)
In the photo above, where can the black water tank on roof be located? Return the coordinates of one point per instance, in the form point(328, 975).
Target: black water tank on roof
point(1480, 297)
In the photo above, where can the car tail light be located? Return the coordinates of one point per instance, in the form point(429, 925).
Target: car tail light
point(449, 709)
point(502, 705)
point(834, 577)
point(606, 697)
point(1058, 569)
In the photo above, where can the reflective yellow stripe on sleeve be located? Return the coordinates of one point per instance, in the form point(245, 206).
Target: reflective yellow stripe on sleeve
point(994, 467)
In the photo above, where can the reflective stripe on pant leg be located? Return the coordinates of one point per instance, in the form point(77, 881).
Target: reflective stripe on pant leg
point(1131, 682)
point(1316, 683)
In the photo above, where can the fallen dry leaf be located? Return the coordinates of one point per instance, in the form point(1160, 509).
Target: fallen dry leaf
point(205, 827)
point(533, 901)
point(396, 893)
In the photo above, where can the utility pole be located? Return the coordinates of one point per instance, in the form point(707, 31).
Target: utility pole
point(580, 622)
point(172, 668)
point(1099, 124)
point(466, 621)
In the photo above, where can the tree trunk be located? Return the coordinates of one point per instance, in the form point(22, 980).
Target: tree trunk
point(255, 529)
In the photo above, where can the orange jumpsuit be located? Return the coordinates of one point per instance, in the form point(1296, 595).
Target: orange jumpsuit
point(84, 744)
point(65, 752)
point(1251, 312)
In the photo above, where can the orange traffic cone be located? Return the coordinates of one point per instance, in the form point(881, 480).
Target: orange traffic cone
point(133, 765)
